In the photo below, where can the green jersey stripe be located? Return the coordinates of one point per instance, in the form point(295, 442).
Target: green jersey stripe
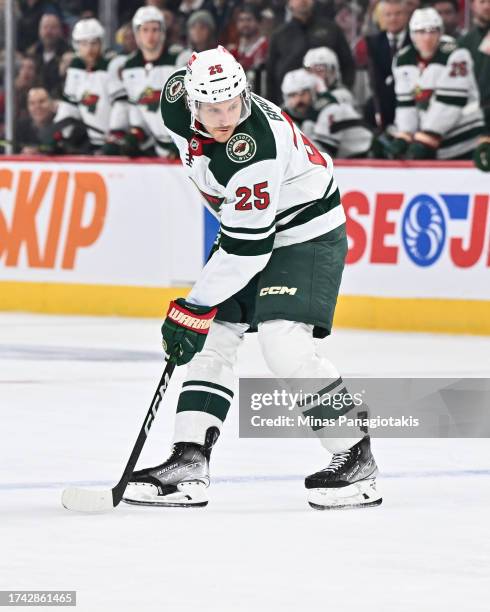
point(298, 207)
point(206, 383)
point(452, 100)
point(247, 230)
point(468, 135)
point(247, 248)
point(405, 103)
point(316, 210)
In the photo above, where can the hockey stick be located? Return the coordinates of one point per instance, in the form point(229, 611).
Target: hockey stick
point(85, 500)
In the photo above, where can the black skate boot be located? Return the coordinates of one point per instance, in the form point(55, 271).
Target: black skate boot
point(181, 481)
point(349, 481)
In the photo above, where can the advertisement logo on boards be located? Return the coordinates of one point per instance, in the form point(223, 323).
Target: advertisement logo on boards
point(384, 228)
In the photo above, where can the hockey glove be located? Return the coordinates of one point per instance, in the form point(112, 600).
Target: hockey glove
point(398, 147)
point(419, 150)
point(132, 142)
point(424, 146)
point(185, 329)
point(481, 156)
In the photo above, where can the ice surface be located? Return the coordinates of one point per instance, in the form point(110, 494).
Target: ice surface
point(73, 393)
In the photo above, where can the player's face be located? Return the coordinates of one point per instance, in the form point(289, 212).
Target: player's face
point(426, 42)
point(150, 36)
point(300, 101)
point(327, 74)
point(221, 118)
point(90, 51)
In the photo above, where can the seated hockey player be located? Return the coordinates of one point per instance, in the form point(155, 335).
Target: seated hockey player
point(437, 109)
point(281, 224)
point(339, 128)
point(139, 130)
point(299, 90)
point(83, 116)
point(324, 64)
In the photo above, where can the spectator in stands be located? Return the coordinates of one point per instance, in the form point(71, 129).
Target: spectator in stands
point(411, 6)
point(251, 50)
point(48, 51)
point(29, 131)
point(347, 18)
point(381, 49)
point(201, 31)
point(31, 12)
point(304, 31)
point(222, 12)
point(477, 41)
point(25, 79)
point(449, 11)
point(188, 7)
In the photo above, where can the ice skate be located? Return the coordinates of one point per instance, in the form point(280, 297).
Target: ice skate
point(349, 481)
point(181, 481)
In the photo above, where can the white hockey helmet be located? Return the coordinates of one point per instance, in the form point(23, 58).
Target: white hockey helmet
point(426, 19)
point(146, 14)
point(87, 29)
point(215, 76)
point(298, 80)
point(321, 56)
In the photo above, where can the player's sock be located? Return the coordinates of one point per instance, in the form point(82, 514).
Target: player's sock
point(349, 481)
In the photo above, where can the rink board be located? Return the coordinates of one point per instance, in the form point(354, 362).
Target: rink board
point(105, 236)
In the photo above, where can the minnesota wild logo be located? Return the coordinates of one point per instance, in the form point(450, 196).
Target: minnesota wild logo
point(150, 98)
point(174, 88)
point(90, 101)
point(240, 148)
point(422, 97)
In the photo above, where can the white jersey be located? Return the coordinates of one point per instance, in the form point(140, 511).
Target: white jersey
point(440, 97)
point(339, 128)
point(87, 97)
point(268, 185)
point(141, 84)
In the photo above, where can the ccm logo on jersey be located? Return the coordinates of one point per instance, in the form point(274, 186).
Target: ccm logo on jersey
point(278, 291)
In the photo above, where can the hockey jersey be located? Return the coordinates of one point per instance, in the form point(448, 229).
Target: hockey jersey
point(440, 97)
point(268, 184)
point(87, 96)
point(339, 128)
point(141, 85)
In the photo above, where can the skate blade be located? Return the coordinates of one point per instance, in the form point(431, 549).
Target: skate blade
point(361, 494)
point(189, 495)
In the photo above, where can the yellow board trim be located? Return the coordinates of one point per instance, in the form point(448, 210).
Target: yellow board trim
point(354, 311)
point(414, 314)
point(60, 298)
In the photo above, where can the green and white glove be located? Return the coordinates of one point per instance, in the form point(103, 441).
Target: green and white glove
point(185, 330)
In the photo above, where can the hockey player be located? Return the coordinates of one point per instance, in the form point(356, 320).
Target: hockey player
point(339, 128)
point(86, 96)
point(324, 63)
point(139, 129)
point(282, 224)
point(300, 94)
point(437, 113)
